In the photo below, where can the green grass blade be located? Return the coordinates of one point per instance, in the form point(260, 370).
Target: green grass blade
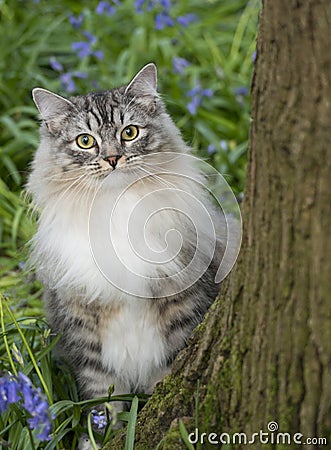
point(184, 435)
point(130, 433)
point(30, 352)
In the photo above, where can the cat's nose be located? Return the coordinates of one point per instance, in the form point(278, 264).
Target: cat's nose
point(112, 160)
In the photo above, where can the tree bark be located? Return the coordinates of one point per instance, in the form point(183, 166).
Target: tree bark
point(264, 351)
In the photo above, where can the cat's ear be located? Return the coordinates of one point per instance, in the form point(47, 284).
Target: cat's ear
point(50, 105)
point(145, 82)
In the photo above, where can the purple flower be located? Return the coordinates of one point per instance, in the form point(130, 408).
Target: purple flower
point(55, 64)
point(82, 48)
point(207, 93)
point(193, 92)
point(162, 20)
point(186, 19)
point(79, 75)
point(242, 91)
point(18, 389)
point(98, 54)
point(193, 105)
point(211, 149)
point(8, 392)
point(92, 39)
point(197, 94)
point(67, 82)
point(99, 419)
point(105, 7)
point(138, 4)
point(179, 64)
point(165, 3)
point(151, 4)
point(76, 22)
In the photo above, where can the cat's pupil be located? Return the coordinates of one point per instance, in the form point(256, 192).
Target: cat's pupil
point(129, 132)
point(86, 140)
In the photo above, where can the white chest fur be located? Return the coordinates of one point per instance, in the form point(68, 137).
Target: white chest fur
point(132, 345)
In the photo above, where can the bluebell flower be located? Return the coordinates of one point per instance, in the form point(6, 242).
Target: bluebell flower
point(138, 4)
point(242, 90)
point(207, 93)
point(162, 20)
point(98, 54)
point(68, 82)
point(20, 389)
point(194, 91)
point(90, 37)
point(8, 392)
point(254, 55)
point(82, 48)
point(196, 94)
point(99, 419)
point(76, 22)
point(165, 3)
point(211, 149)
point(193, 105)
point(179, 64)
point(55, 64)
point(149, 5)
point(186, 19)
point(79, 74)
point(106, 8)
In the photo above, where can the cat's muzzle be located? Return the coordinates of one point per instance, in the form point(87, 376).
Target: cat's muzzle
point(112, 160)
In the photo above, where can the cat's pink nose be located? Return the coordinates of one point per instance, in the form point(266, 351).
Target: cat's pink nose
point(112, 160)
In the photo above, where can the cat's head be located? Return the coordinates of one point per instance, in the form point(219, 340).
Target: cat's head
point(91, 136)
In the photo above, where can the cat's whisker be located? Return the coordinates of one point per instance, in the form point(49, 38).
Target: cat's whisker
point(104, 255)
point(62, 177)
point(159, 179)
point(73, 188)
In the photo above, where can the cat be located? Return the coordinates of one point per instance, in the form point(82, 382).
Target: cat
point(128, 242)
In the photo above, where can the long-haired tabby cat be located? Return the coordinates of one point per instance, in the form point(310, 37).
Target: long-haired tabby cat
point(126, 244)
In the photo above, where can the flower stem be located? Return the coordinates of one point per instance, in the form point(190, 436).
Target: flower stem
point(33, 360)
point(5, 337)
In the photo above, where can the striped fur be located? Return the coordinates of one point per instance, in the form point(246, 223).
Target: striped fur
point(110, 336)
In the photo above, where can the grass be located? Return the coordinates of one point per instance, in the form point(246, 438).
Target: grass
point(218, 46)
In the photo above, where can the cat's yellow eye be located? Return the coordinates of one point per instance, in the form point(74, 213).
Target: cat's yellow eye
point(85, 141)
point(129, 133)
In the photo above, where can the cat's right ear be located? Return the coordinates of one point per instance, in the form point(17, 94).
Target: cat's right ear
point(144, 83)
point(50, 105)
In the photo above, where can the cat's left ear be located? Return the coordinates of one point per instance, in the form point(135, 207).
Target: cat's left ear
point(50, 105)
point(145, 82)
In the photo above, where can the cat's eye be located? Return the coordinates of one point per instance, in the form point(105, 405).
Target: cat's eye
point(129, 133)
point(85, 141)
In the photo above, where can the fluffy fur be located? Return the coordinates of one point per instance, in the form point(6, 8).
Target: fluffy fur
point(126, 243)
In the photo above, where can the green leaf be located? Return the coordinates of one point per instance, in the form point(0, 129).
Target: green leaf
point(184, 435)
point(131, 429)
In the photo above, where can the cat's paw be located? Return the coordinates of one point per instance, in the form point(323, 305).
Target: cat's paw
point(84, 443)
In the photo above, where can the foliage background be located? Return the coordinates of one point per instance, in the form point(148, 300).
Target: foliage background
point(204, 51)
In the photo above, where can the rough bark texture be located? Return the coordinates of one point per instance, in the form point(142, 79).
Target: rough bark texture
point(264, 351)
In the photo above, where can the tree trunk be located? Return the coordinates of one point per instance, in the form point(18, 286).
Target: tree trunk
point(264, 351)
